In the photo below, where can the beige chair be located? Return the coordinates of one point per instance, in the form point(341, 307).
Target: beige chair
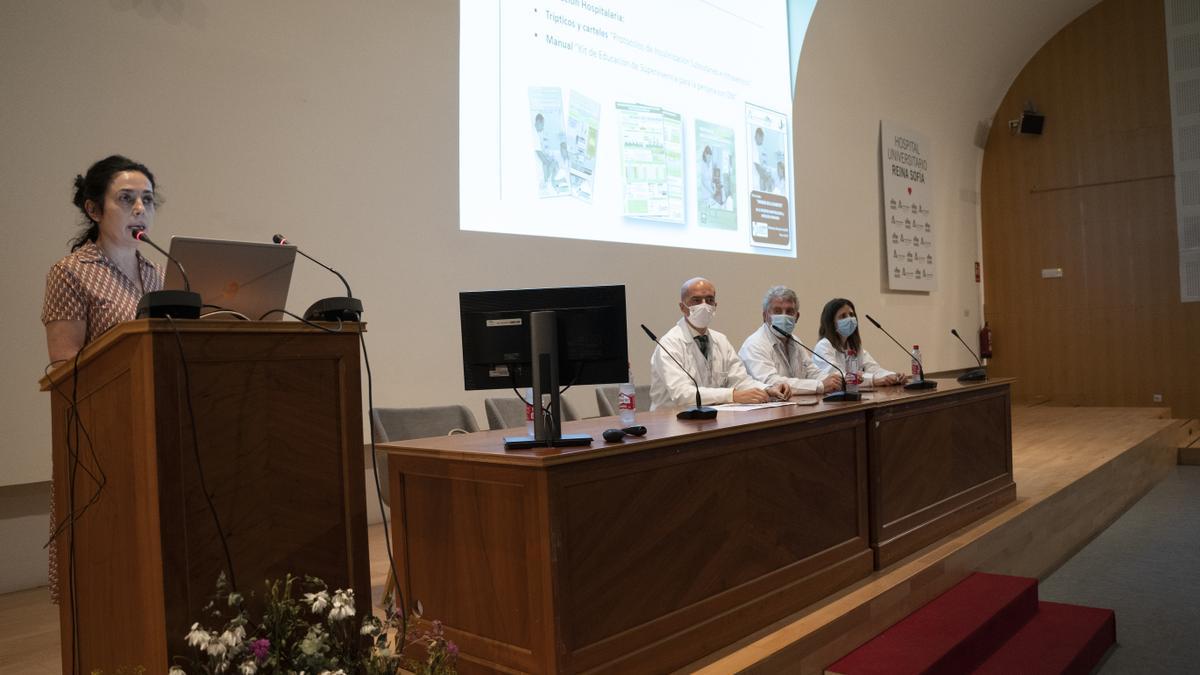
point(509, 412)
point(606, 398)
point(401, 424)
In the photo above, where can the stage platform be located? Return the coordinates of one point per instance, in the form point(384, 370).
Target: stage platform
point(1076, 470)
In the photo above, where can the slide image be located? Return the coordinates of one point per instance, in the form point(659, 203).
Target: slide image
point(651, 162)
point(716, 200)
point(550, 142)
point(770, 182)
point(583, 136)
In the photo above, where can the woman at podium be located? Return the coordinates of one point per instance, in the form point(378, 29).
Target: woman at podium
point(100, 283)
point(839, 332)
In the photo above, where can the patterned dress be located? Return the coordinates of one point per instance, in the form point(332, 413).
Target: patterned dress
point(87, 286)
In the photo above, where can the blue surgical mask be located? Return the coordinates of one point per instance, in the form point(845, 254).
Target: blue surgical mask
point(847, 326)
point(784, 322)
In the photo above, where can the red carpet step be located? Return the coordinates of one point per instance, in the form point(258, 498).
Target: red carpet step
point(988, 623)
point(1058, 639)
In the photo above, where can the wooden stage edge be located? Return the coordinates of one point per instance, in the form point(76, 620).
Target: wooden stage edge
point(1076, 470)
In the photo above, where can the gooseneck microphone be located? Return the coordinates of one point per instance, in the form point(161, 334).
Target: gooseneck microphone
point(924, 383)
point(698, 411)
point(183, 304)
point(348, 308)
point(838, 396)
point(975, 374)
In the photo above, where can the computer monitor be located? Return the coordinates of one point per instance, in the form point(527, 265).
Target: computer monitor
point(508, 337)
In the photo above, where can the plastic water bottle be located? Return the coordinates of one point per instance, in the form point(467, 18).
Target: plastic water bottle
point(853, 372)
point(627, 402)
point(916, 363)
point(529, 412)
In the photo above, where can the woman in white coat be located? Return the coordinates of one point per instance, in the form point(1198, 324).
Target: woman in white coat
point(839, 332)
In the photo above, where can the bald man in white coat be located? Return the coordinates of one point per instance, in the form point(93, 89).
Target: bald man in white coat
point(707, 355)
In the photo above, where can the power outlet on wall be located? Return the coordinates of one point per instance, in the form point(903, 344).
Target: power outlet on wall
point(1157, 398)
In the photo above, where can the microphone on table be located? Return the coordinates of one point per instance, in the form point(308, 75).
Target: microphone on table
point(837, 396)
point(348, 308)
point(698, 411)
point(924, 383)
point(975, 374)
point(183, 304)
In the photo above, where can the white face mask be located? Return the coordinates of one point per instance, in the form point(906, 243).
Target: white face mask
point(701, 315)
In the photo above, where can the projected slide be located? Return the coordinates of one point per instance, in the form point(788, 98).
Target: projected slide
point(660, 123)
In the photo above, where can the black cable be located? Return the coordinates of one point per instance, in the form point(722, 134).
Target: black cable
point(187, 390)
point(303, 320)
point(73, 451)
point(387, 539)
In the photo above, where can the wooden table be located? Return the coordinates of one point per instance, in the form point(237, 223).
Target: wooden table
point(648, 554)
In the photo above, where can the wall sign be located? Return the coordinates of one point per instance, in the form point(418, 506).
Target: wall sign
point(907, 221)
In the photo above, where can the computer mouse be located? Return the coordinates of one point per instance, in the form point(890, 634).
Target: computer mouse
point(613, 435)
point(635, 431)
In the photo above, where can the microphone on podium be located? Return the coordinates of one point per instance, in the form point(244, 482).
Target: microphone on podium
point(698, 411)
point(975, 374)
point(838, 396)
point(924, 383)
point(348, 308)
point(183, 304)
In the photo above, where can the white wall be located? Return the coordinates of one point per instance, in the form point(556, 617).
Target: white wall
point(336, 124)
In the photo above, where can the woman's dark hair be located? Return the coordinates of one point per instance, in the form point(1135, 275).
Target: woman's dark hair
point(829, 325)
point(93, 186)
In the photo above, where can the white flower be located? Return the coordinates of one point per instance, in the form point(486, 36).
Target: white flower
point(369, 628)
point(216, 648)
point(234, 599)
point(198, 637)
point(343, 605)
point(248, 667)
point(176, 670)
point(339, 671)
point(233, 638)
point(317, 601)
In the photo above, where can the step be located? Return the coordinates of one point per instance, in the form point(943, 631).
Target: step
point(952, 633)
point(1058, 639)
point(1189, 450)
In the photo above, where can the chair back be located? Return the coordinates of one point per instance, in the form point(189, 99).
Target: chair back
point(401, 424)
point(508, 412)
point(606, 398)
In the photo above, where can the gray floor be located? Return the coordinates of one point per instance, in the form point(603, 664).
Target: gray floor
point(1146, 566)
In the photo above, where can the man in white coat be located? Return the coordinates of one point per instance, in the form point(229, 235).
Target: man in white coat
point(704, 353)
point(772, 358)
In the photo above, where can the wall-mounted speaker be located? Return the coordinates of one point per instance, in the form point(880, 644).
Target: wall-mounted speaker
point(1032, 123)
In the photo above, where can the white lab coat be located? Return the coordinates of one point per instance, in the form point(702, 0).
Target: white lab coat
point(768, 359)
point(718, 375)
point(871, 369)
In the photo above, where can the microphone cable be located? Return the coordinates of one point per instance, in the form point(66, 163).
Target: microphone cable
point(73, 430)
point(383, 511)
point(212, 509)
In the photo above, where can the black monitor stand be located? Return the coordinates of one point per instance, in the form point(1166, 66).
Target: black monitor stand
point(543, 337)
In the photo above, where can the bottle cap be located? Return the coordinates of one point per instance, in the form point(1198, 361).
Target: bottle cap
point(916, 346)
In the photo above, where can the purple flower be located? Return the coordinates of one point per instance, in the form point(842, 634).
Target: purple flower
point(261, 647)
point(451, 649)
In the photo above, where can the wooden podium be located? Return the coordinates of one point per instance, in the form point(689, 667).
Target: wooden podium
point(278, 419)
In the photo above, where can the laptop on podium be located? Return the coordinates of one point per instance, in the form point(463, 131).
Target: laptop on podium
point(247, 277)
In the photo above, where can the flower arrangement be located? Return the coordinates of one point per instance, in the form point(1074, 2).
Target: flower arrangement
point(306, 629)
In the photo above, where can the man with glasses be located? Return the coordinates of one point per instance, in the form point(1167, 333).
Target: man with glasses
point(705, 354)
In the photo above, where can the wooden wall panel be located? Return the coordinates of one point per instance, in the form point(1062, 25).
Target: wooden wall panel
point(1093, 195)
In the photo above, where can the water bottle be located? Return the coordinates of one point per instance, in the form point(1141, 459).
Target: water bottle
point(916, 364)
point(853, 374)
point(529, 412)
point(627, 402)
